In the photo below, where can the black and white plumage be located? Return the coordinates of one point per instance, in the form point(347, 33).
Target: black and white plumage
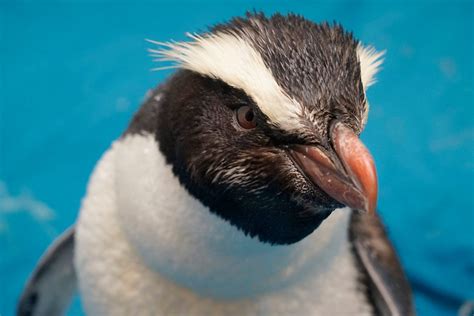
point(224, 194)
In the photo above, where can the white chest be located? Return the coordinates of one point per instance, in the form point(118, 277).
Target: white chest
point(146, 247)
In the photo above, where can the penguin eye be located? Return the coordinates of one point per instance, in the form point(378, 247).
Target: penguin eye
point(246, 117)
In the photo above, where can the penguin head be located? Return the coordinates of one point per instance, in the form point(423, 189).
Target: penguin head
point(261, 123)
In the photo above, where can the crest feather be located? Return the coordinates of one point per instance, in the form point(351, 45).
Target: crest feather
point(370, 61)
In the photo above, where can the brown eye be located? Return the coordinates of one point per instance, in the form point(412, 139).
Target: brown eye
point(246, 117)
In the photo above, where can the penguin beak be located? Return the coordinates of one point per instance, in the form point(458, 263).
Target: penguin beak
point(350, 178)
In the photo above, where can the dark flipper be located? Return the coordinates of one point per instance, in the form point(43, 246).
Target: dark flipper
point(53, 282)
point(388, 287)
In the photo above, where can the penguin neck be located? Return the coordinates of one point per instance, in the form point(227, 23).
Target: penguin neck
point(176, 236)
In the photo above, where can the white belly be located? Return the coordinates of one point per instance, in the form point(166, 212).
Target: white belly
point(145, 247)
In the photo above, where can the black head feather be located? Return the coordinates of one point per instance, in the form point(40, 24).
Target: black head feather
point(246, 176)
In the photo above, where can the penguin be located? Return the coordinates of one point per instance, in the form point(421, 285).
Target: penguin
point(240, 187)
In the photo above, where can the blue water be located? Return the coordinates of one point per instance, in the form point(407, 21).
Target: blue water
point(73, 72)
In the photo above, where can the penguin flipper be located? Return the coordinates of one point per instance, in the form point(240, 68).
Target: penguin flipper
point(387, 285)
point(53, 282)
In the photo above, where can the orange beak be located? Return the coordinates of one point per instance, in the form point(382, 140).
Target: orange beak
point(350, 178)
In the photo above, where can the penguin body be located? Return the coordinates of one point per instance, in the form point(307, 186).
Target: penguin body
point(197, 264)
point(239, 187)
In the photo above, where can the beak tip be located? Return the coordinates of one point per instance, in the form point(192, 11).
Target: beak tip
point(367, 209)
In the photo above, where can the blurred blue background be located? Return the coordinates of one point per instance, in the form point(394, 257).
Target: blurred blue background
point(72, 73)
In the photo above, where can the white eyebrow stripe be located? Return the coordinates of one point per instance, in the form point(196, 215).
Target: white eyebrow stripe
point(370, 61)
point(232, 59)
